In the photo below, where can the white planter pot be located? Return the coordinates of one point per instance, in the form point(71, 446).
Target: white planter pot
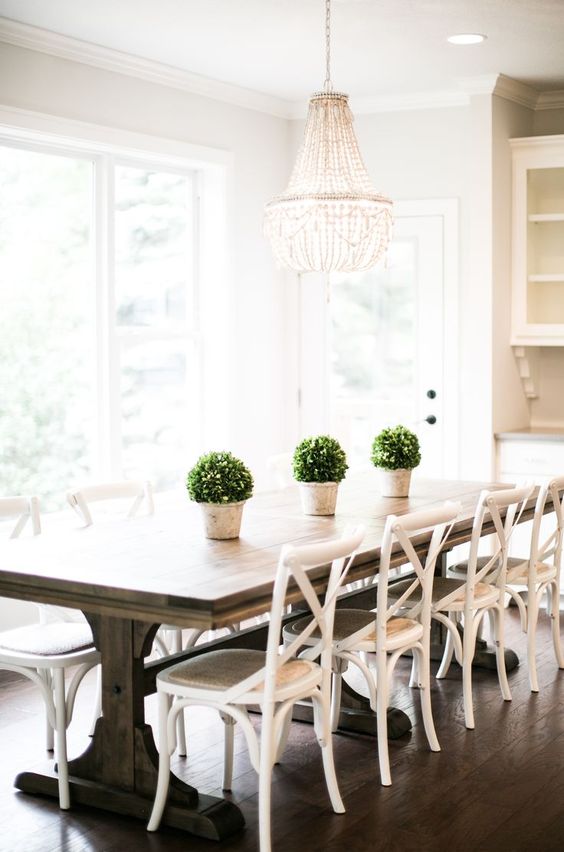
point(318, 498)
point(394, 483)
point(222, 520)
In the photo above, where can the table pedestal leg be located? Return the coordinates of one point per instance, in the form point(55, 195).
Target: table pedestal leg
point(118, 770)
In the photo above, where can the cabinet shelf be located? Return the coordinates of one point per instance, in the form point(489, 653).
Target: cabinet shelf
point(546, 217)
point(539, 279)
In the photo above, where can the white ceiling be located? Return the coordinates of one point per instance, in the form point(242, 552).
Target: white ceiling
point(380, 47)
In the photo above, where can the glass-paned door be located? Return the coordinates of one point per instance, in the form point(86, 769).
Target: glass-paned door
point(374, 340)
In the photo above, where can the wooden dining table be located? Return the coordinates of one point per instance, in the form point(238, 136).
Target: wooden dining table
point(130, 576)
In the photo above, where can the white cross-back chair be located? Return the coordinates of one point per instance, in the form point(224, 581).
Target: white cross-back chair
point(232, 680)
point(22, 509)
point(540, 573)
point(140, 491)
point(480, 590)
point(385, 633)
point(43, 652)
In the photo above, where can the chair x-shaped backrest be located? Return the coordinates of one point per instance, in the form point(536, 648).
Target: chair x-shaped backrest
point(23, 509)
point(403, 529)
point(296, 563)
point(551, 546)
point(140, 491)
point(399, 543)
point(492, 504)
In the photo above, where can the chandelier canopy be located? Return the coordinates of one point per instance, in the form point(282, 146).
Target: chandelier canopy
point(330, 218)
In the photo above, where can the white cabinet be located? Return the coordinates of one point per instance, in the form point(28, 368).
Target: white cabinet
point(535, 459)
point(534, 456)
point(538, 241)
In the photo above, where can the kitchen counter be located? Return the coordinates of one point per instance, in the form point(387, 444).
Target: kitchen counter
point(533, 433)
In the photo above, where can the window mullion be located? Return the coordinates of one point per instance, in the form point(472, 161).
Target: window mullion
point(108, 345)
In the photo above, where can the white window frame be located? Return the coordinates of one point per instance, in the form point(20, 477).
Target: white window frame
point(210, 171)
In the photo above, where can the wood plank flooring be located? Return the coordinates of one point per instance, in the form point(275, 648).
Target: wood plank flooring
point(499, 788)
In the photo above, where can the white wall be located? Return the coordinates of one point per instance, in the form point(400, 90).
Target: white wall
point(257, 410)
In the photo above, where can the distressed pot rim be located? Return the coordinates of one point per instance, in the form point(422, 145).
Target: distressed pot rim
point(221, 505)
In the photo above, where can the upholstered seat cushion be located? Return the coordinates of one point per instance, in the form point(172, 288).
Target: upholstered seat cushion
point(442, 586)
point(47, 640)
point(349, 621)
point(223, 669)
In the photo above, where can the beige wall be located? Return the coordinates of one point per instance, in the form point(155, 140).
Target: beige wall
point(509, 409)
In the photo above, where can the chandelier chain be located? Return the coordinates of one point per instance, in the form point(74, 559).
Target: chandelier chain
point(328, 84)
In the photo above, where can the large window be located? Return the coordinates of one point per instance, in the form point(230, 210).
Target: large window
point(99, 344)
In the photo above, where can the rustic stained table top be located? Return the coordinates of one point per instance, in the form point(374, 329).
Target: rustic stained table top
point(163, 568)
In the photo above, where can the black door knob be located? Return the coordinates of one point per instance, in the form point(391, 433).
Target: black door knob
point(431, 419)
point(431, 393)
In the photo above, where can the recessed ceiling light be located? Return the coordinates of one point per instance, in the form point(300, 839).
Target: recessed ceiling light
point(466, 38)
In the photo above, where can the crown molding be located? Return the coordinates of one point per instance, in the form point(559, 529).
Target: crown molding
point(519, 93)
point(108, 59)
point(76, 50)
point(551, 100)
point(502, 86)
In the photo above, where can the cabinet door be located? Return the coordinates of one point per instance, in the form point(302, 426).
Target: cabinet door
point(538, 241)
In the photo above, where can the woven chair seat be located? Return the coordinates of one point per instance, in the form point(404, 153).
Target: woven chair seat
point(349, 621)
point(517, 569)
point(442, 586)
point(513, 562)
point(544, 572)
point(47, 640)
point(223, 669)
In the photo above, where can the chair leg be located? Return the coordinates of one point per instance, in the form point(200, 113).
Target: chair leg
point(284, 734)
point(49, 735)
point(425, 696)
point(532, 619)
point(164, 764)
point(61, 739)
point(228, 747)
point(322, 710)
point(180, 722)
point(414, 678)
point(382, 721)
point(267, 757)
point(337, 682)
point(447, 654)
point(555, 619)
point(49, 732)
point(468, 648)
point(500, 651)
point(97, 701)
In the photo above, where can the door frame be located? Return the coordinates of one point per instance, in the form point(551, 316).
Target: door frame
point(447, 210)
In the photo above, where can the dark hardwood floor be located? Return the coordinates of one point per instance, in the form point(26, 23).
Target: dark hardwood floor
point(499, 788)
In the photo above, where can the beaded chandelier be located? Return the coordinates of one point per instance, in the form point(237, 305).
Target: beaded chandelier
point(330, 218)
